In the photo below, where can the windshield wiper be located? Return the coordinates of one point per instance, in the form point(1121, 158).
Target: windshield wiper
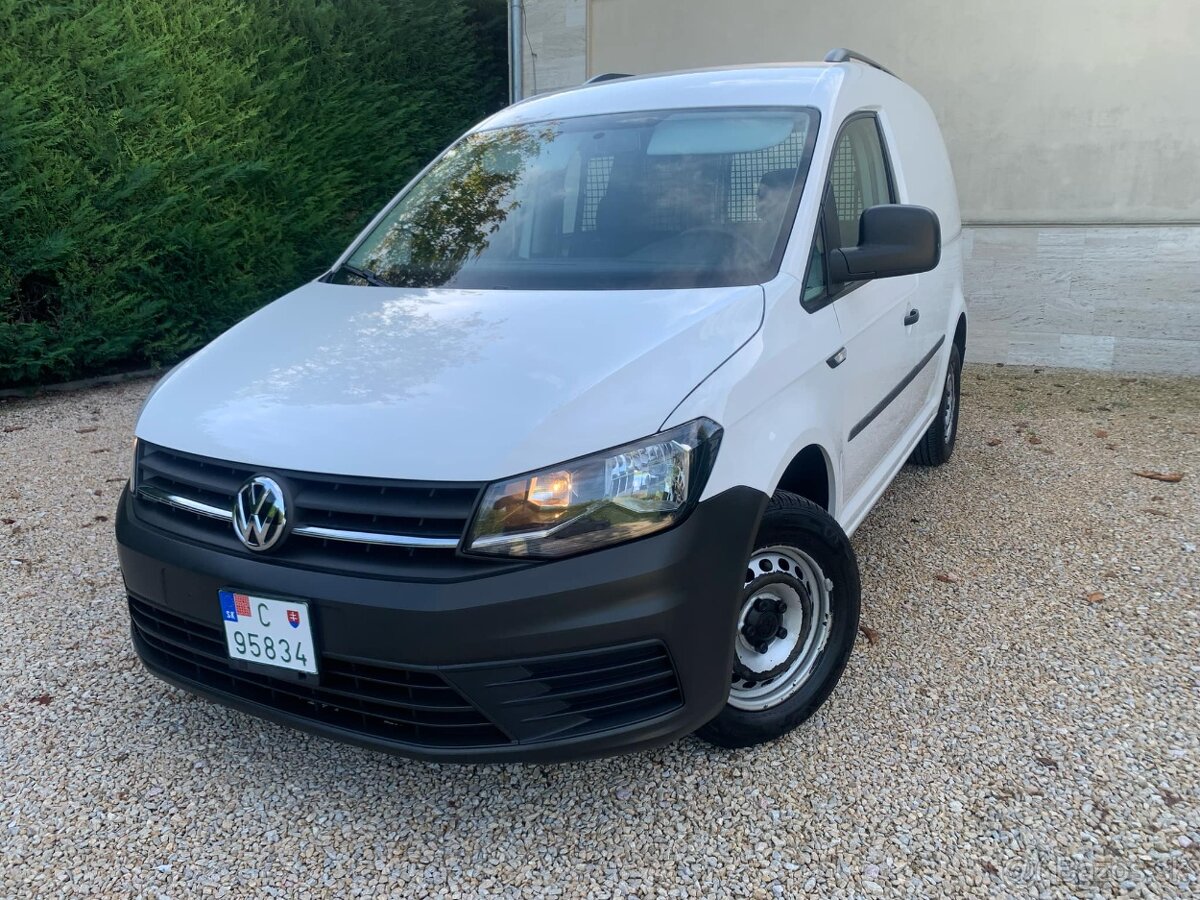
point(365, 274)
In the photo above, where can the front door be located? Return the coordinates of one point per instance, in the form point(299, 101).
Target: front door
point(876, 405)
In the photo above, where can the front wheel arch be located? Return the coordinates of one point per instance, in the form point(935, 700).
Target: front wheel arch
point(810, 475)
point(790, 520)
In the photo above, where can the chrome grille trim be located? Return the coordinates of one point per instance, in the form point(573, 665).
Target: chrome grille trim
point(313, 531)
point(374, 537)
point(180, 502)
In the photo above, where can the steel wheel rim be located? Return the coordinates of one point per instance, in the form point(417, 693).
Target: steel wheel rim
point(812, 642)
point(949, 407)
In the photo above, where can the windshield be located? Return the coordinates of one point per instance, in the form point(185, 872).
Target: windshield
point(636, 200)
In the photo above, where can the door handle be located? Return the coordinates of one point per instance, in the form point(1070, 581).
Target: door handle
point(911, 318)
point(837, 359)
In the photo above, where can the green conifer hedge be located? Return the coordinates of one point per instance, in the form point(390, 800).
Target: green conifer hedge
point(166, 166)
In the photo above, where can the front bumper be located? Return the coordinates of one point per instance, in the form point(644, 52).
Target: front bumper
point(609, 652)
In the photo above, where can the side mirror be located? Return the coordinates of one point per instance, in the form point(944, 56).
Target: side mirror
point(892, 240)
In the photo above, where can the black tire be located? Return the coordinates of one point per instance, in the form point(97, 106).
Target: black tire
point(792, 521)
point(937, 444)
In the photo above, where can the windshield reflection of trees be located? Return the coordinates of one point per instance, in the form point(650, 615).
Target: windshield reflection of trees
point(453, 214)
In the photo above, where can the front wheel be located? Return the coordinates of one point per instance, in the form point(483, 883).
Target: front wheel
point(796, 624)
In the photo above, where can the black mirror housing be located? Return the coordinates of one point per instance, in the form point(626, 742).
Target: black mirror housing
point(895, 239)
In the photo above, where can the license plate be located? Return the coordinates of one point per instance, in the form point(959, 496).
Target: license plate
point(268, 632)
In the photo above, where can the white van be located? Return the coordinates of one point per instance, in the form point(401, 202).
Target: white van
point(560, 457)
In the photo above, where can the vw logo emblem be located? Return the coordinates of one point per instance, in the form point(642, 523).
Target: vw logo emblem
point(260, 513)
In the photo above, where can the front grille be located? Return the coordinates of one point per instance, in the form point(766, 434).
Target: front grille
point(493, 705)
point(378, 701)
point(420, 510)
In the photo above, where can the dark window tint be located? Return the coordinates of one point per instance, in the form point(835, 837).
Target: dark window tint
point(858, 176)
point(681, 198)
point(814, 283)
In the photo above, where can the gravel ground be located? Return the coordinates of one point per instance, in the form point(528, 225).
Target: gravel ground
point(1020, 716)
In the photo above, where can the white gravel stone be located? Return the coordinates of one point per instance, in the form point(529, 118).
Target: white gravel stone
point(1004, 736)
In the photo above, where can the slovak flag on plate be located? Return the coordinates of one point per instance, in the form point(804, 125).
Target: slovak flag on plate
point(294, 617)
point(234, 605)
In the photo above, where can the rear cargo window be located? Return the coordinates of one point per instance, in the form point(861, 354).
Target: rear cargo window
point(700, 198)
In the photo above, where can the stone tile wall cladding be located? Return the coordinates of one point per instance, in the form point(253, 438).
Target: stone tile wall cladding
point(1105, 297)
point(1094, 297)
point(555, 45)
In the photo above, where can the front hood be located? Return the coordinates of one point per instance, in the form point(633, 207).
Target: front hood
point(445, 385)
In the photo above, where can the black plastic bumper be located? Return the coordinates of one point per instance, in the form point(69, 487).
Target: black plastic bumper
point(512, 650)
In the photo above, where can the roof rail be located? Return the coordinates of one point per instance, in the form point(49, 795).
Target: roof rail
point(607, 76)
point(843, 54)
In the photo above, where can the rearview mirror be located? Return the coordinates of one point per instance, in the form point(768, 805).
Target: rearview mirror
point(892, 240)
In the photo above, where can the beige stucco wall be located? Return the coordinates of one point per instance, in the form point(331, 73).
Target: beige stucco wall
point(1053, 110)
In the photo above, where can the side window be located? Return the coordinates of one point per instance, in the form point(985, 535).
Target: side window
point(814, 281)
point(858, 176)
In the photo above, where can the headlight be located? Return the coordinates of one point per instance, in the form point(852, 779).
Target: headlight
point(613, 496)
point(133, 469)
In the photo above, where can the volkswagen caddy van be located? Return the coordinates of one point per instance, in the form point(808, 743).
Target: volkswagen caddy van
point(560, 458)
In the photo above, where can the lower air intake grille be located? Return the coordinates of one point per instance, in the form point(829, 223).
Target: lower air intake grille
point(377, 701)
point(528, 701)
point(581, 693)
